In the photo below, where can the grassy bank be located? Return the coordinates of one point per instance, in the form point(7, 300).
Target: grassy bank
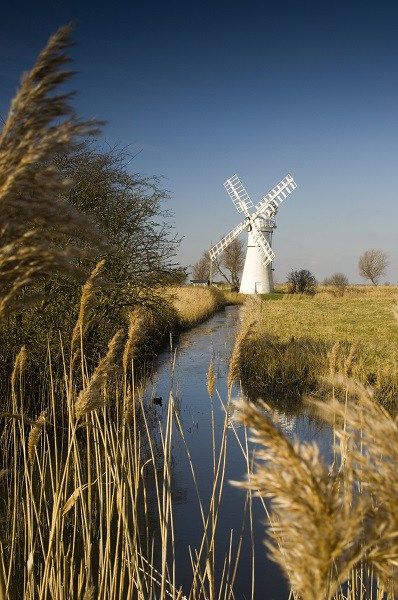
point(289, 343)
point(193, 305)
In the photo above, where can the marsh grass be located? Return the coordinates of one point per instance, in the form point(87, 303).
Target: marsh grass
point(88, 503)
point(87, 483)
point(288, 350)
point(331, 528)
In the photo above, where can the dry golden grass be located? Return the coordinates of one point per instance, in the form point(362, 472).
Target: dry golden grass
point(87, 302)
point(211, 379)
point(196, 304)
point(331, 526)
point(90, 511)
point(313, 524)
point(350, 290)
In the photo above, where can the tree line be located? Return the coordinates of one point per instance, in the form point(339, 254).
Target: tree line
point(372, 266)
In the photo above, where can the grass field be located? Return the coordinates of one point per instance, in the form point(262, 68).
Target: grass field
point(290, 343)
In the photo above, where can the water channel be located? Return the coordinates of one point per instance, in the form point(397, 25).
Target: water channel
point(195, 349)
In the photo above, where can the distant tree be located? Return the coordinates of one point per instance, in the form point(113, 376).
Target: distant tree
point(372, 265)
point(338, 281)
point(232, 260)
point(301, 282)
point(229, 265)
point(177, 277)
point(201, 269)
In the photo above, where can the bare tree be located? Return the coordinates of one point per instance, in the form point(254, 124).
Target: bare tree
point(372, 265)
point(338, 281)
point(229, 265)
point(201, 269)
point(232, 260)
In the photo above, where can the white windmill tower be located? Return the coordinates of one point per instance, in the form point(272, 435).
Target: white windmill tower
point(257, 272)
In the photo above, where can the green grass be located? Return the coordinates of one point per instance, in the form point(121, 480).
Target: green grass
point(290, 341)
point(272, 296)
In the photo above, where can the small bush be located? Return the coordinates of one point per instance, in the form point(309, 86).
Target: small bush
point(301, 282)
point(339, 283)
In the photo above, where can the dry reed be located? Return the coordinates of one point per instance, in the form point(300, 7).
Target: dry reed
point(19, 366)
point(40, 124)
point(211, 379)
point(86, 305)
point(34, 435)
point(92, 398)
point(140, 325)
point(244, 333)
point(316, 529)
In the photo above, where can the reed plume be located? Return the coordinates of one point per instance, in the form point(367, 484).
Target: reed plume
point(91, 398)
point(19, 366)
point(40, 124)
point(140, 324)
point(210, 379)
point(348, 363)
point(34, 435)
point(333, 358)
point(235, 361)
point(86, 304)
point(140, 320)
point(316, 533)
point(372, 445)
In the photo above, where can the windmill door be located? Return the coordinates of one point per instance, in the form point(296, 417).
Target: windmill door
point(258, 287)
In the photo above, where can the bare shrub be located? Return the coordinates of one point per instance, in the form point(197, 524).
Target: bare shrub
point(232, 259)
point(229, 265)
point(339, 283)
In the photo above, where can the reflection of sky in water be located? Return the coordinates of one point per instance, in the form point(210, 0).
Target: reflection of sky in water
point(213, 340)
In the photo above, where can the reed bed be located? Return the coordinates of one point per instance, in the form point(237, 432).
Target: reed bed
point(87, 504)
point(331, 528)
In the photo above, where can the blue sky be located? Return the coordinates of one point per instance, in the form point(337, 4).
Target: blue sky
point(255, 88)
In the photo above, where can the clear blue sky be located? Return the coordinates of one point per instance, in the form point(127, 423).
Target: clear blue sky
point(257, 88)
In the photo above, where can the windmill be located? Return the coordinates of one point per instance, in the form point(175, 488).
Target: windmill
point(260, 224)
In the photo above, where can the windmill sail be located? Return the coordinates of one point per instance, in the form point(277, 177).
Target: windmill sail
point(238, 194)
point(271, 201)
point(226, 240)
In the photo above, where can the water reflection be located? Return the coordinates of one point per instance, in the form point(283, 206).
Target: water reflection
point(213, 341)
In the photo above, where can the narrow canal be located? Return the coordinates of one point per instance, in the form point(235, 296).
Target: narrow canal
point(213, 340)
